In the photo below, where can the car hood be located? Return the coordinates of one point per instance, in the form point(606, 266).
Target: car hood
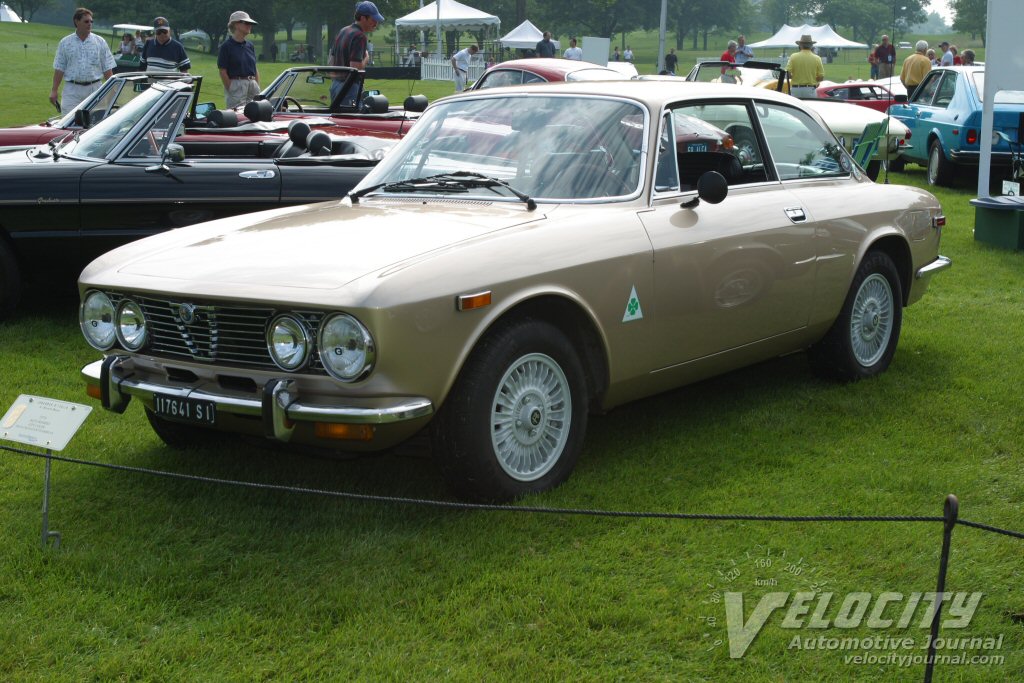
point(317, 247)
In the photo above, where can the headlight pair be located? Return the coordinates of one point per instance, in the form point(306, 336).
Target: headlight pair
point(347, 350)
point(101, 324)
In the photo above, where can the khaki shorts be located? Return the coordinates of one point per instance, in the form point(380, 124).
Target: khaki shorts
point(240, 92)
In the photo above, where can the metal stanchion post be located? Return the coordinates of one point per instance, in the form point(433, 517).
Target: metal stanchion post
point(47, 534)
point(950, 511)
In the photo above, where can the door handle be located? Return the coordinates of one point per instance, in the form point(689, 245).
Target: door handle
point(796, 214)
point(258, 175)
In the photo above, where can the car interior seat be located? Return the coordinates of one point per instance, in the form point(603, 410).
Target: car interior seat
point(318, 144)
point(298, 132)
point(259, 110)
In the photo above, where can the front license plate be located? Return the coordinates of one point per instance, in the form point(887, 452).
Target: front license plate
point(186, 409)
point(698, 147)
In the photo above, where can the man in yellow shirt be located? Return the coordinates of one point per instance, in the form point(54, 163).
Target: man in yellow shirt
point(805, 69)
point(916, 67)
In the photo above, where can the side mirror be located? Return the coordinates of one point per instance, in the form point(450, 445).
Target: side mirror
point(712, 187)
point(82, 118)
point(203, 109)
point(370, 93)
point(900, 99)
point(175, 153)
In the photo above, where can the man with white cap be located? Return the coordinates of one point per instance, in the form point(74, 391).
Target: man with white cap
point(350, 46)
point(237, 62)
point(805, 69)
point(164, 53)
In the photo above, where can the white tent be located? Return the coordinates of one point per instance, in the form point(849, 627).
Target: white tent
point(525, 36)
point(445, 15)
point(823, 36)
point(7, 14)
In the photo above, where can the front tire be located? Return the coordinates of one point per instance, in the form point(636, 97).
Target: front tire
point(940, 169)
point(862, 340)
point(514, 422)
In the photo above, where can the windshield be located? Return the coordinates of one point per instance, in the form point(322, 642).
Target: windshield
point(548, 147)
point(97, 141)
point(1002, 97)
point(594, 75)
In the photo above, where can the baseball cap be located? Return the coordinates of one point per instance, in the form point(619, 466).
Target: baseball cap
point(161, 24)
point(240, 16)
point(368, 9)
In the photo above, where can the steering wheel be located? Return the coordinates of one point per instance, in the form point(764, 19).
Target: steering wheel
point(293, 101)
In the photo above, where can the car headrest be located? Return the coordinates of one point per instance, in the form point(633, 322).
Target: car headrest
point(223, 118)
point(318, 143)
point(259, 110)
point(298, 132)
point(415, 103)
point(375, 104)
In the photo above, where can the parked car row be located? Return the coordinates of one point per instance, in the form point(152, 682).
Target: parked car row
point(523, 257)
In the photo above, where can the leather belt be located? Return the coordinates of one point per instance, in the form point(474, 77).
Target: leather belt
point(85, 82)
point(807, 85)
point(243, 78)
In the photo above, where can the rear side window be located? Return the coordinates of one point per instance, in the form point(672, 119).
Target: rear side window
point(799, 146)
point(926, 91)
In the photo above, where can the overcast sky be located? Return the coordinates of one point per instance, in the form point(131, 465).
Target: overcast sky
point(942, 7)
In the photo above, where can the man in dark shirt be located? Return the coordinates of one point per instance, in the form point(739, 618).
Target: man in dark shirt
point(546, 48)
point(671, 61)
point(237, 62)
point(349, 47)
point(164, 53)
point(885, 53)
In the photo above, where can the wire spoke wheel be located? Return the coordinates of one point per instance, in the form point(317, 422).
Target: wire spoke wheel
point(530, 417)
point(871, 320)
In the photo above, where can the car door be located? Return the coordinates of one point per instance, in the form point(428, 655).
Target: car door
point(921, 113)
point(138, 194)
point(733, 274)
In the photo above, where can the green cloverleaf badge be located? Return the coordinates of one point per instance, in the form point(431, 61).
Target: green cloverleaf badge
point(633, 310)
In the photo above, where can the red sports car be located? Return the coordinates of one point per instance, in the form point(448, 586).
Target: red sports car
point(522, 71)
point(865, 93)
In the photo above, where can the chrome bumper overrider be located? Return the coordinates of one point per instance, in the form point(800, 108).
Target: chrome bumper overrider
point(279, 408)
point(939, 264)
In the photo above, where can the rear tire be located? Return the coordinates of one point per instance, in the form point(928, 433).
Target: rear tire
point(873, 168)
point(940, 169)
point(10, 281)
point(898, 164)
point(514, 422)
point(862, 340)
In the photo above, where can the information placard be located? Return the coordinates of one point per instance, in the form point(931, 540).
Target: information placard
point(43, 422)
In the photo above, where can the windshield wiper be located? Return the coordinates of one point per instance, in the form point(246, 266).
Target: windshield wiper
point(459, 181)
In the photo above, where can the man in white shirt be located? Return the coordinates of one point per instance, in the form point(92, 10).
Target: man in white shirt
point(460, 65)
point(573, 52)
point(82, 61)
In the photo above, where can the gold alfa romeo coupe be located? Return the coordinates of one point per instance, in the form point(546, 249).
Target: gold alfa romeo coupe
point(524, 257)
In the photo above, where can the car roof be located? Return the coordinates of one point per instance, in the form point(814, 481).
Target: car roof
point(547, 66)
point(656, 93)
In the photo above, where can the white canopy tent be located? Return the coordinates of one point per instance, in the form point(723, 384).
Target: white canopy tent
point(7, 14)
point(445, 15)
point(823, 36)
point(525, 36)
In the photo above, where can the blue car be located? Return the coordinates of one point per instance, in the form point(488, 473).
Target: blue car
point(944, 117)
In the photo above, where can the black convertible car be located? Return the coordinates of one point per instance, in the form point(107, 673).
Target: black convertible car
point(155, 164)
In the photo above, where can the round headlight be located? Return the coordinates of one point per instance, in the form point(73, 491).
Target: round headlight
point(346, 348)
point(131, 325)
point(96, 318)
point(288, 342)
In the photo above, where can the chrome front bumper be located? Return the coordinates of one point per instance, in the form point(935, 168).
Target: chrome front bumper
point(279, 408)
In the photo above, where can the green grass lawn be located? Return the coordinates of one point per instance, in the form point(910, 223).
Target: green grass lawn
point(165, 580)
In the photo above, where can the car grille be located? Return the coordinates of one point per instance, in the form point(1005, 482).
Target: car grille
point(229, 335)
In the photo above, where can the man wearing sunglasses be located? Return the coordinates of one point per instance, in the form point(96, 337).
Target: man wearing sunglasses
point(164, 53)
point(82, 62)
